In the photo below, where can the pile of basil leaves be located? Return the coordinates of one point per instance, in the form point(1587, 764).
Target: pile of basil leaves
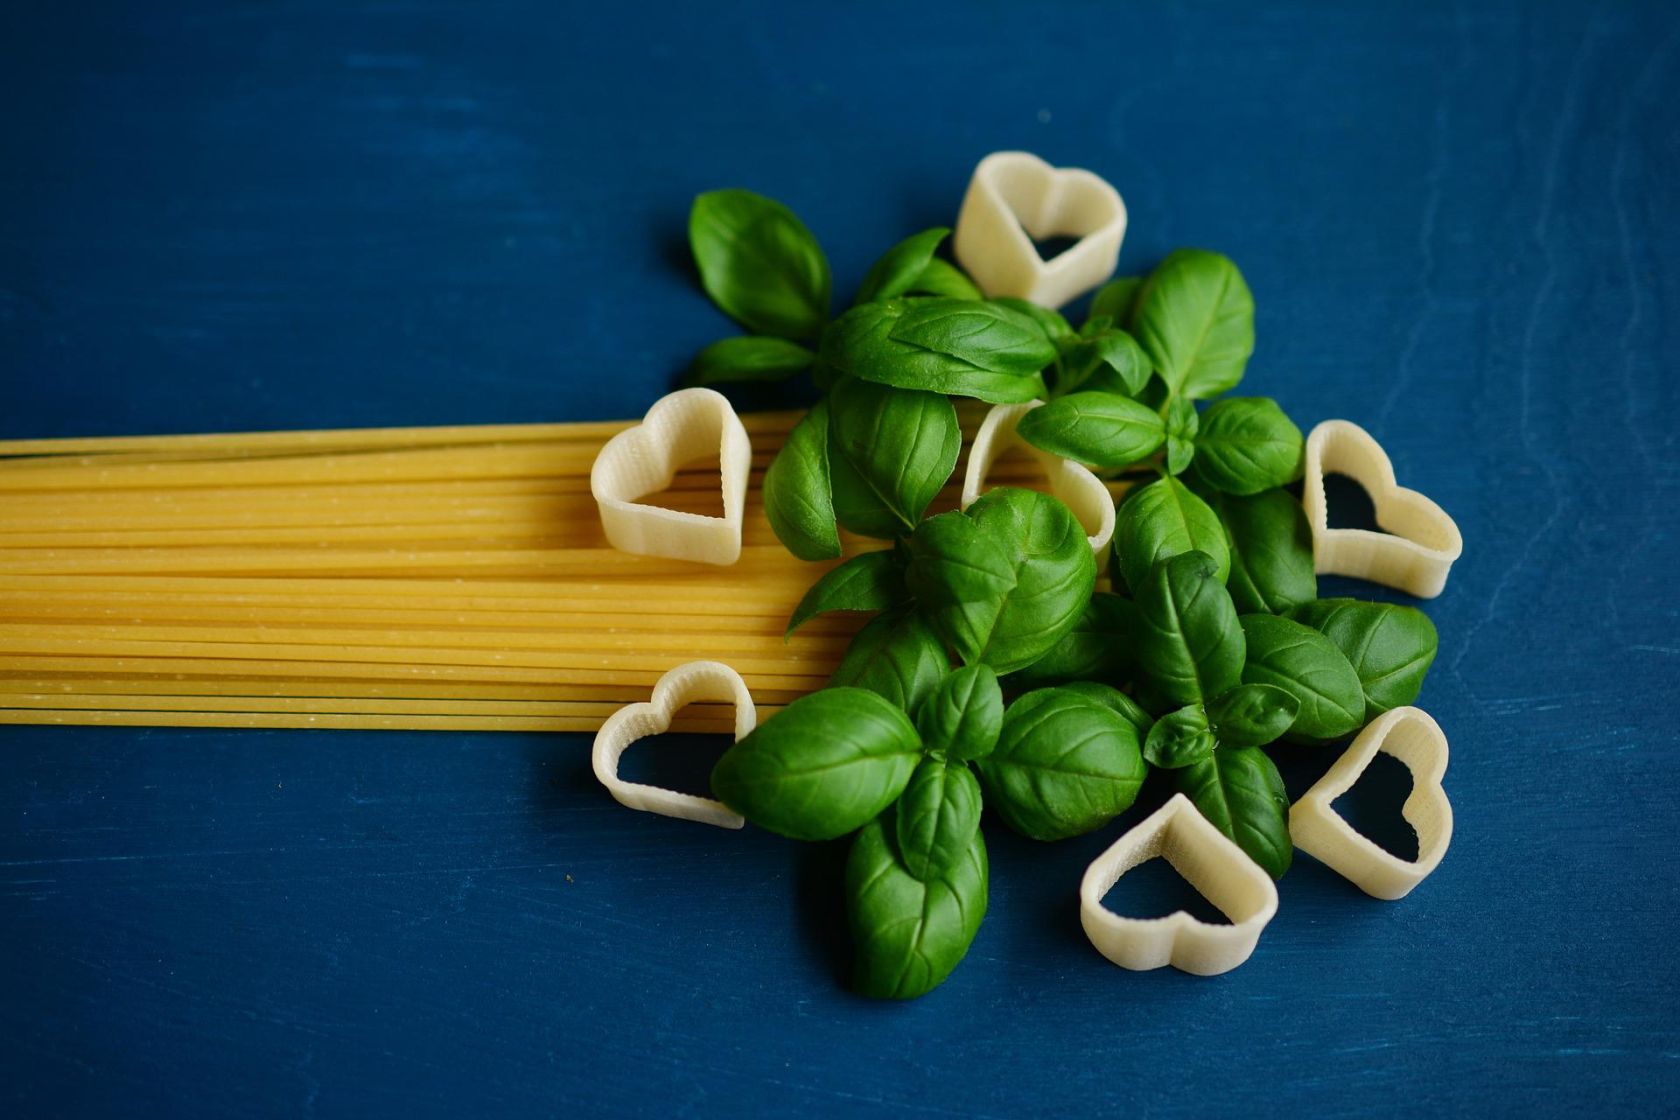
point(996, 673)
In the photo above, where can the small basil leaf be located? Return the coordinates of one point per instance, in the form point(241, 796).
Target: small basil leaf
point(938, 815)
point(964, 714)
point(1247, 445)
point(1162, 520)
point(870, 581)
point(1252, 715)
point(908, 934)
point(1271, 550)
point(860, 343)
point(1099, 429)
point(748, 358)
point(759, 263)
point(1096, 647)
point(1390, 646)
point(1007, 602)
point(1115, 701)
point(1117, 300)
point(901, 266)
point(1241, 793)
point(1095, 325)
point(901, 446)
point(1189, 644)
point(1065, 764)
point(1306, 664)
point(1182, 422)
point(798, 495)
point(988, 334)
point(1124, 359)
point(942, 278)
point(897, 656)
point(1179, 739)
point(1049, 320)
point(826, 764)
point(1195, 319)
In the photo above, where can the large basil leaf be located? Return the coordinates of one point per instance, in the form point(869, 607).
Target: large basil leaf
point(1252, 715)
point(1390, 646)
point(964, 714)
point(1005, 590)
point(908, 934)
point(902, 266)
point(1097, 647)
point(942, 278)
point(938, 815)
point(798, 495)
point(1162, 520)
point(901, 448)
point(1116, 301)
point(1271, 551)
point(1190, 645)
point(1246, 445)
point(1240, 791)
point(870, 581)
point(1065, 764)
point(759, 263)
point(861, 343)
point(824, 765)
point(1115, 701)
point(988, 334)
point(748, 358)
point(1179, 739)
point(898, 656)
point(1100, 429)
point(1195, 320)
point(1306, 664)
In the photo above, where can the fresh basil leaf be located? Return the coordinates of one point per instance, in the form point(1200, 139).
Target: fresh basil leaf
point(748, 358)
point(1182, 423)
point(1241, 793)
point(1049, 320)
point(1065, 764)
point(988, 334)
point(1252, 715)
point(1162, 520)
point(938, 815)
point(1004, 591)
point(826, 764)
point(1306, 664)
point(964, 714)
point(1195, 320)
point(1247, 445)
point(1390, 646)
point(759, 263)
point(1124, 367)
point(861, 343)
point(869, 581)
point(901, 266)
point(1117, 301)
point(897, 656)
point(798, 495)
point(908, 934)
point(1271, 550)
point(942, 278)
point(1115, 701)
point(901, 446)
point(1189, 644)
point(1095, 325)
point(1179, 739)
point(1096, 647)
point(1099, 429)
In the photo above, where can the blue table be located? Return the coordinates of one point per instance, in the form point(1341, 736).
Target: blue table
point(1460, 225)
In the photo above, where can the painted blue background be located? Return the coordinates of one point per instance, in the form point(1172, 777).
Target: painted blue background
point(1460, 224)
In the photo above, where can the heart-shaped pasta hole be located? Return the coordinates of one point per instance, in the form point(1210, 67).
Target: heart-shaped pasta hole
point(1155, 889)
point(1372, 806)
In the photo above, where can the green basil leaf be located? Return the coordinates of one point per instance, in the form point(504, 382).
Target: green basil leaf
point(870, 581)
point(942, 278)
point(748, 358)
point(1095, 325)
point(938, 815)
point(897, 656)
point(759, 263)
point(1096, 647)
point(901, 446)
point(1252, 715)
point(1391, 647)
point(1179, 739)
point(1195, 320)
point(1049, 320)
point(1115, 701)
point(1182, 423)
point(1189, 644)
point(1240, 791)
point(1306, 664)
point(1099, 429)
point(964, 714)
point(908, 934)
point(1122, 366)
point(798, 495)
point(826, 764)
point(1117, 301)
point(901, 266)
point(1271, 550)
point(1247, 445)
point(988, 334)
point(1162, 520)
point(861, 343)
point(1004, 591)
point(1065, 764)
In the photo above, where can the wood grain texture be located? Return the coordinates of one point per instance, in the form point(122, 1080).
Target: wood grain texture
point(1459, 224)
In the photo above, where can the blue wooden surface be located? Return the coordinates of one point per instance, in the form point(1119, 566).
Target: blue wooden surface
point(1460, 225)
